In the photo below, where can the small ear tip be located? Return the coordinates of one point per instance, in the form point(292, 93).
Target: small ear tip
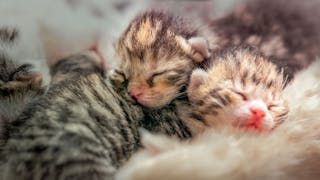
point(200, 45)
point(196, 47)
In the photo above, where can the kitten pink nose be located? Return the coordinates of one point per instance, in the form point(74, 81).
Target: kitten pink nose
point(136, 93)
point(257, 113)
point(255, 121)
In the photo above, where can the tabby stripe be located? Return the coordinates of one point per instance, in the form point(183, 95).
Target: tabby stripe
point(198, 117)
point(109, 136)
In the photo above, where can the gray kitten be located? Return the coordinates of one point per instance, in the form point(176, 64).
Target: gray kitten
point(18, 83)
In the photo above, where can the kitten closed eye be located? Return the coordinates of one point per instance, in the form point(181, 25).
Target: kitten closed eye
point(242, 102)
point(153, 50)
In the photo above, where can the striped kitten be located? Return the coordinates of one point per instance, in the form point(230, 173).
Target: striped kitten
point(158, 52)
point(81, 128)
point(241, 89)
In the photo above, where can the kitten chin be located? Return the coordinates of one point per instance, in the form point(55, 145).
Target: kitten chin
point(158, 52)
point(239, 88)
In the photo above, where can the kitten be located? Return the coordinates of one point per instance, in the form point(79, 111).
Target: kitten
point(287, 32)
point(240, 88)
point(290, 152)
point(81, 128)
point(19, 85)
point(158, 52)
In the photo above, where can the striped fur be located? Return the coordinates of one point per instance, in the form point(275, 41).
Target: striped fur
point(236, 78)
point(82, 128)
point(18, 84)
point(158, 52)
point(8, 35)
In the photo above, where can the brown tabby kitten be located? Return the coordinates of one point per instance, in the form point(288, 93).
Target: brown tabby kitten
point(287, 32)
point(81, 128)
point(158, 52)
point(240, 88)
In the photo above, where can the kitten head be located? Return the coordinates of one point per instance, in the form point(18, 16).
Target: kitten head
point(158, 53)
point(242, 89)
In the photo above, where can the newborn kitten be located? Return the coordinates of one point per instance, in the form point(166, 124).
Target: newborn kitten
point(18, 87)
point(18, 84)
point(158, 52)
point(81, 128)
point(287, 32)
point(290, 153)
point(240, 88)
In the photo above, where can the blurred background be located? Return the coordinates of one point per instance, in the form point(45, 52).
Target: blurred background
point(72, 25)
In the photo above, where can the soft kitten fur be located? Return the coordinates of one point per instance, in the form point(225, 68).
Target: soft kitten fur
point(240, 88)
point(290, 152)
point(158, 52)
point(81, 128)
point(18, 84)
point(287, 32)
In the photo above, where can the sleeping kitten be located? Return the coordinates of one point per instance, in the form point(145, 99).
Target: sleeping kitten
point(240, 88)
point(18, 84)
point(18, 87)
point(158, 52)
point(291, 152)
point(287, 32)
point(81, 128)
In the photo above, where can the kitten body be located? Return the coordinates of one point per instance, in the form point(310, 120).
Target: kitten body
point(81, 128)
point(18, 84)
point(287, 32)
point(291, 151)
point(240, 88)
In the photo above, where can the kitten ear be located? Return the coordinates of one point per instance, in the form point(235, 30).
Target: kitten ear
point(155, 144)
point(196, 47)
point(198, 77)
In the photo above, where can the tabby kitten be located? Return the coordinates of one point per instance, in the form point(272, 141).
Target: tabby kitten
point(240, 88)
point(81, 128)
point(158, 52)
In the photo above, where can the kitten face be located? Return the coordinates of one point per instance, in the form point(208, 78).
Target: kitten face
point(242, 89)
point(158, 53)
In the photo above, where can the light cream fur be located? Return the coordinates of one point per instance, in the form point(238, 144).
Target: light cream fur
point(292, 151)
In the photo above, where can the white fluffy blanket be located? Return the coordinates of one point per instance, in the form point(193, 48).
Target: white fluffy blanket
point(292, 151)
